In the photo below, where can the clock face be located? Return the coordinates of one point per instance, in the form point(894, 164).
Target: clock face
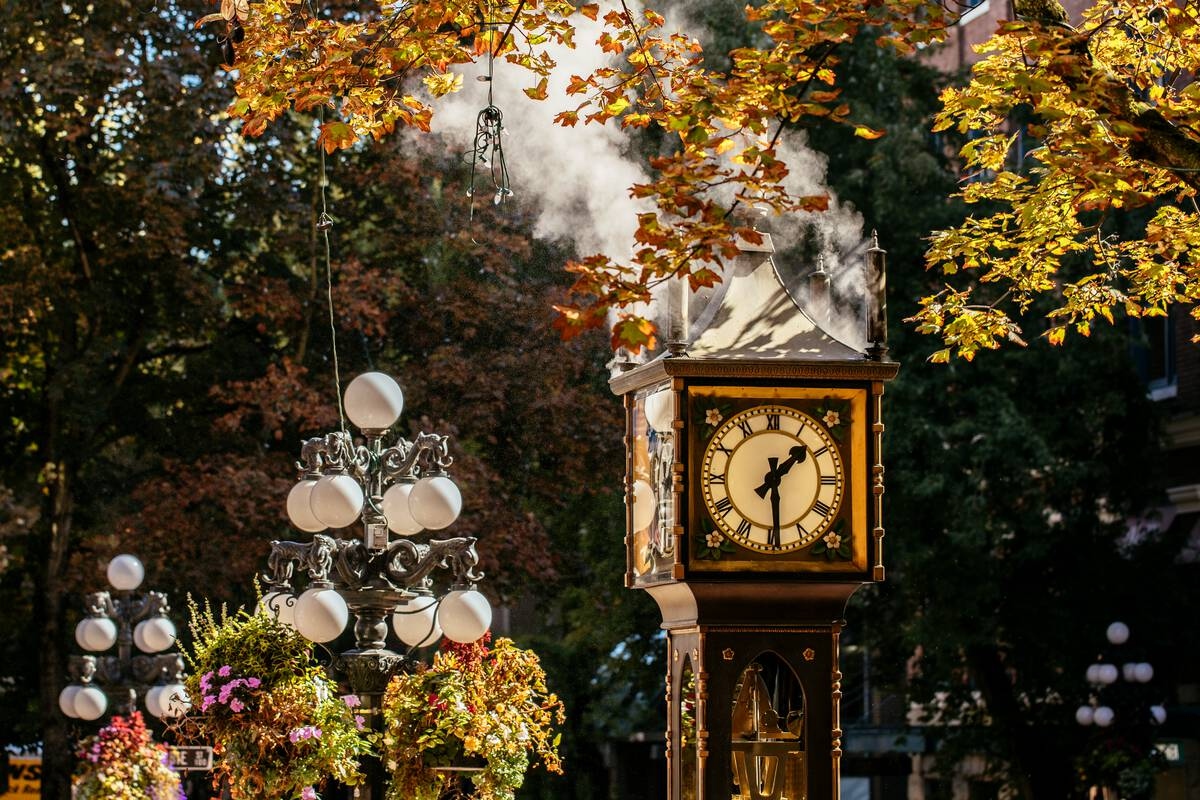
point(772, 479)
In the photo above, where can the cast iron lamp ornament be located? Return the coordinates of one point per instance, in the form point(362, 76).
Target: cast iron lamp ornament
point(401, 494)
point(126, 619)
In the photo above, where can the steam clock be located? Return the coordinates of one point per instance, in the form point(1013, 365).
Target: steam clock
point(754, 489)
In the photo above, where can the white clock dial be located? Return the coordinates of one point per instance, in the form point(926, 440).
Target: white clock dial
point(772, 479)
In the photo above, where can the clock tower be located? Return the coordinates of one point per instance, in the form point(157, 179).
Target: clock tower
point(754, 496)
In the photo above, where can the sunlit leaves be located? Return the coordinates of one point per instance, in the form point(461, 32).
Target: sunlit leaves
point(1115, 126)
point(724, 128)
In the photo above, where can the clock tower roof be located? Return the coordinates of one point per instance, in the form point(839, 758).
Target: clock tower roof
point(750, 322)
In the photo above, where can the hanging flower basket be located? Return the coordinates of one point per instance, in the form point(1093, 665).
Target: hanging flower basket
point(277, 725)
point(122, 762)
point(479, 713)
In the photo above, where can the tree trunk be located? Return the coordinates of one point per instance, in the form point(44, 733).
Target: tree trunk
point(1038, 766)
point(57, 761)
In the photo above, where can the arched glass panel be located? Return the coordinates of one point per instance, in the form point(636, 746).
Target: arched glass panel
point(769, 738)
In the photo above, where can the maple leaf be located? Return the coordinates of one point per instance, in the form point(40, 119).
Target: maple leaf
point(336, 135)
point(633, 333)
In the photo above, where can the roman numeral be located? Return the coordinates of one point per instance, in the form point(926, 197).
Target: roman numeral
point(821, 508)
point(821, 452)
point(745, 426)
point(724, 506)
point(744, 528)
point(772, 422)
point(724, 449)
point(827, 480)
point(717, 478)
point(800, 530)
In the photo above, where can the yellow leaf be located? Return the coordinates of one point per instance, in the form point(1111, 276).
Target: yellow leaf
point(864, 132)
point(537, 92)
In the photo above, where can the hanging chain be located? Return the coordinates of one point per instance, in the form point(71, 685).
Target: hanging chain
point(324, 224)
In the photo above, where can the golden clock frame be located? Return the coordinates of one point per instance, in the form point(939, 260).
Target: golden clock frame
point(854, 457)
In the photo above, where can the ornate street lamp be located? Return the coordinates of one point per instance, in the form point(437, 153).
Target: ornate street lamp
point(123, 617)
point(1103, 675)
point(400, 493)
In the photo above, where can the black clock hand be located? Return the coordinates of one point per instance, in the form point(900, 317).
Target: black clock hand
point(775, 474)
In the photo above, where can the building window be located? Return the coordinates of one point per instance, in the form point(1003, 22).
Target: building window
point(1154, 354)
point(972, 9)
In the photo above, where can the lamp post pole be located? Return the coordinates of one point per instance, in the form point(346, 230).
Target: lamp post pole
point(138, 626)
point(1118, 704)
point(396, 565)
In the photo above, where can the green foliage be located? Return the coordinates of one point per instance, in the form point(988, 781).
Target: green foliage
point(251, 644)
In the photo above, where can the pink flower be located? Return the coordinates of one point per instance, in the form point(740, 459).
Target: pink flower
point(308, 793)
point(253, 683)
point(304, 732)
point(358, 721)
point(236, 705)
point(351, 700)
point(225, 671)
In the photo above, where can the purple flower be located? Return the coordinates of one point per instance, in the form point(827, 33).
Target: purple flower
point(225, 671)
point(207, 702)
point(358, 721)
point(308, 793)
point(236, 705)
point(206, 681)
point(253, 683)
point(226, 690)
point(351, 700)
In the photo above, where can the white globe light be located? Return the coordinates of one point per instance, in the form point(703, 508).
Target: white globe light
point(374, 401)
point(125, 573)
point(153, 700)
point(435, 502)
point(397, 511)
point(415, 622)
point(643, 505)
point(1158, 714)
point(174, 701)
point(1118, 633)
point(299, 507)
point(1129, 671)
point(1093, 673)
point(660, 410)
point(1103, 716)
point(321, 615)
point(90, 703)
point(1143, 672)
point(464, 616)
point(1107, 674)
point(1084, 715)
point(96, 633)
point(66, 700)
point(154, 635)
point(280, 605)
point(336, 500)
